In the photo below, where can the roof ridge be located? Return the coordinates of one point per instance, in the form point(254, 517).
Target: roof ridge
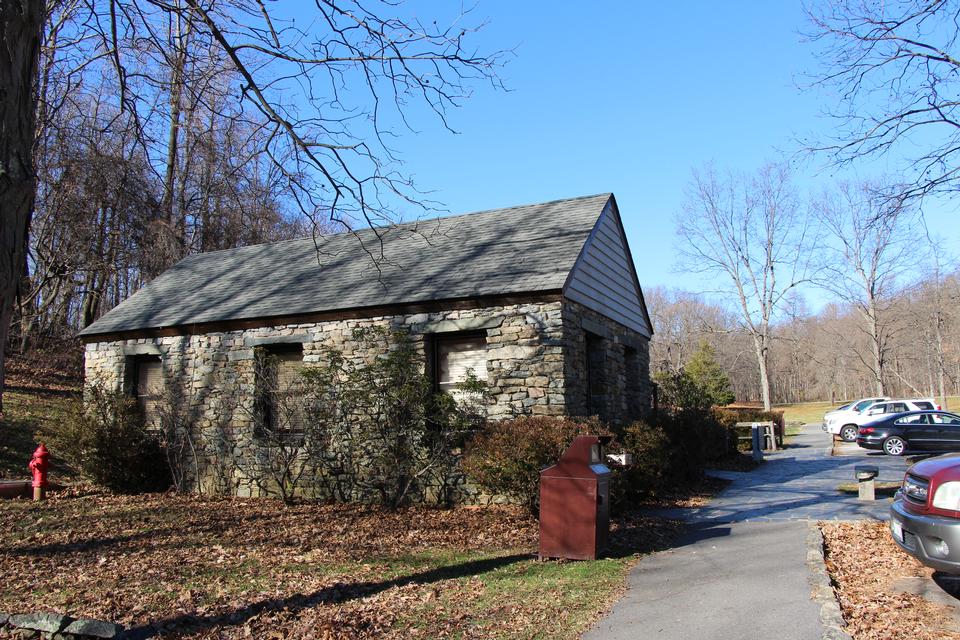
point(418, 221)
point(497, 210)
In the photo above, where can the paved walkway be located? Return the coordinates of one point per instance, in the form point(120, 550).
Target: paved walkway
point(740, 570)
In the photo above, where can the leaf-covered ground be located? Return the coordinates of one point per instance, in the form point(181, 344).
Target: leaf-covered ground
point(867, 569)
point(230, 568)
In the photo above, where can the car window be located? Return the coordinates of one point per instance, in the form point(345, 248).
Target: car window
point(945, 418)
point(926, 406)
point(863, 404)
point(917, 418)
point(876, 409)
point(896, 407)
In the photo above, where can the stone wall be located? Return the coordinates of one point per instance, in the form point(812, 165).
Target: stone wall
point(612, 381)
point(55, 625)
point(536, 365)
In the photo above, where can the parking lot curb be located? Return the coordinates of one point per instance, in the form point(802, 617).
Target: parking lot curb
point(831, 617)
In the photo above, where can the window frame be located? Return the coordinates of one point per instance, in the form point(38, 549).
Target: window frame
point(132, 369)
point(264, 399)
point(594, 341)
point(435, 340)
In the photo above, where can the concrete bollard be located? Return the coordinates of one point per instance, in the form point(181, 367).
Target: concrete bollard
point(866, 482)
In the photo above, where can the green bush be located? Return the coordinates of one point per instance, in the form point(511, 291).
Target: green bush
point(507, 456)
point(752, 414)
point(651, 470)
point(727, 420)
point(106, 440)
point(687, 415)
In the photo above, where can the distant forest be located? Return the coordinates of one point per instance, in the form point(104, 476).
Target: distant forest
point(826, 355)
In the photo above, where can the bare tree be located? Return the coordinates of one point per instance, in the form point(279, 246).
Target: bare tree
point(894, 67)
point(870, 252)
point(934, 306)
point(229, 102)
point(751, 233)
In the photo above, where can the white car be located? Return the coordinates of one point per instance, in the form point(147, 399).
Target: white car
point(832, 412)
point(848, 426)
point(834, 421)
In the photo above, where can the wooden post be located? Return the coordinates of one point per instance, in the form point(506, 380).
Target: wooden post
point(756, 440)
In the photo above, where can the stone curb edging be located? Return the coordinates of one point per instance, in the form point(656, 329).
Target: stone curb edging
point(57, 627)
point(823, 594)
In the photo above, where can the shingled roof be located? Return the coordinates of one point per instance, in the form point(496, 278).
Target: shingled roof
point(523, 249)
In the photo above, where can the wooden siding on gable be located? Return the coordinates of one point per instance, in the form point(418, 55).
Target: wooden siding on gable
point(603, 277)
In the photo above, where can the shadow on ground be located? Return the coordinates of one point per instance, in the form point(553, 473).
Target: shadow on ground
point(337, 593)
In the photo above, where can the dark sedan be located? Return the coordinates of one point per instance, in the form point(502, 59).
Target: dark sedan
point(912, 431)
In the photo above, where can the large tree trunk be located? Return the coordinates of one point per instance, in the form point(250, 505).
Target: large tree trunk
point(876, 344)
point(763, 351)
point(21, 26)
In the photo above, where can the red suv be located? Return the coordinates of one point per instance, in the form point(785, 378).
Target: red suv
point(925, 515)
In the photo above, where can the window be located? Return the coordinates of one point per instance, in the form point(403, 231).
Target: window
point(278, 369)
point(922, 404)
point(147, 385)
point(918, 418)
point(596, 375)
point(877, 409)
point(897, 407)
point(457, 354)
point(945, 418)
point(863, 404)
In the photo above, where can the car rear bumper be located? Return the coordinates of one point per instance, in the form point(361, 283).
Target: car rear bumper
point(870, 443)
point(922, 534)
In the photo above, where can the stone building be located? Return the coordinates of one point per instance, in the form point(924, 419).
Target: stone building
point(541, 301)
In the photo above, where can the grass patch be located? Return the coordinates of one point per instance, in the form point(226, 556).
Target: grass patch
point(25, 413)
point(884, 489)
point(792, 430)
point(807, 412)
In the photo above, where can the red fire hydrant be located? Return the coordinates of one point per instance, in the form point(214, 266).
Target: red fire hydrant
point(39, 465)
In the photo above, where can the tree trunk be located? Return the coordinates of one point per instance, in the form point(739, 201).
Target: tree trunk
point(762, 351)
point(941, 361)
point(21, 26)
point(173, 229)
point(876, 346)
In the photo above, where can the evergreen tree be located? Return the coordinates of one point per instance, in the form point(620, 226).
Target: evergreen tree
point(705, 371)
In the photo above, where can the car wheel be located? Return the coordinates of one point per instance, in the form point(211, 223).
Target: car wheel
point(849, 433)
point(894, 446)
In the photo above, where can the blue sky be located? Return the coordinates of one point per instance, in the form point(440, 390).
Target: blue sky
point(628, 97)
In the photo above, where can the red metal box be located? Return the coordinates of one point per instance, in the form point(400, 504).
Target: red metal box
point(575, 502)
